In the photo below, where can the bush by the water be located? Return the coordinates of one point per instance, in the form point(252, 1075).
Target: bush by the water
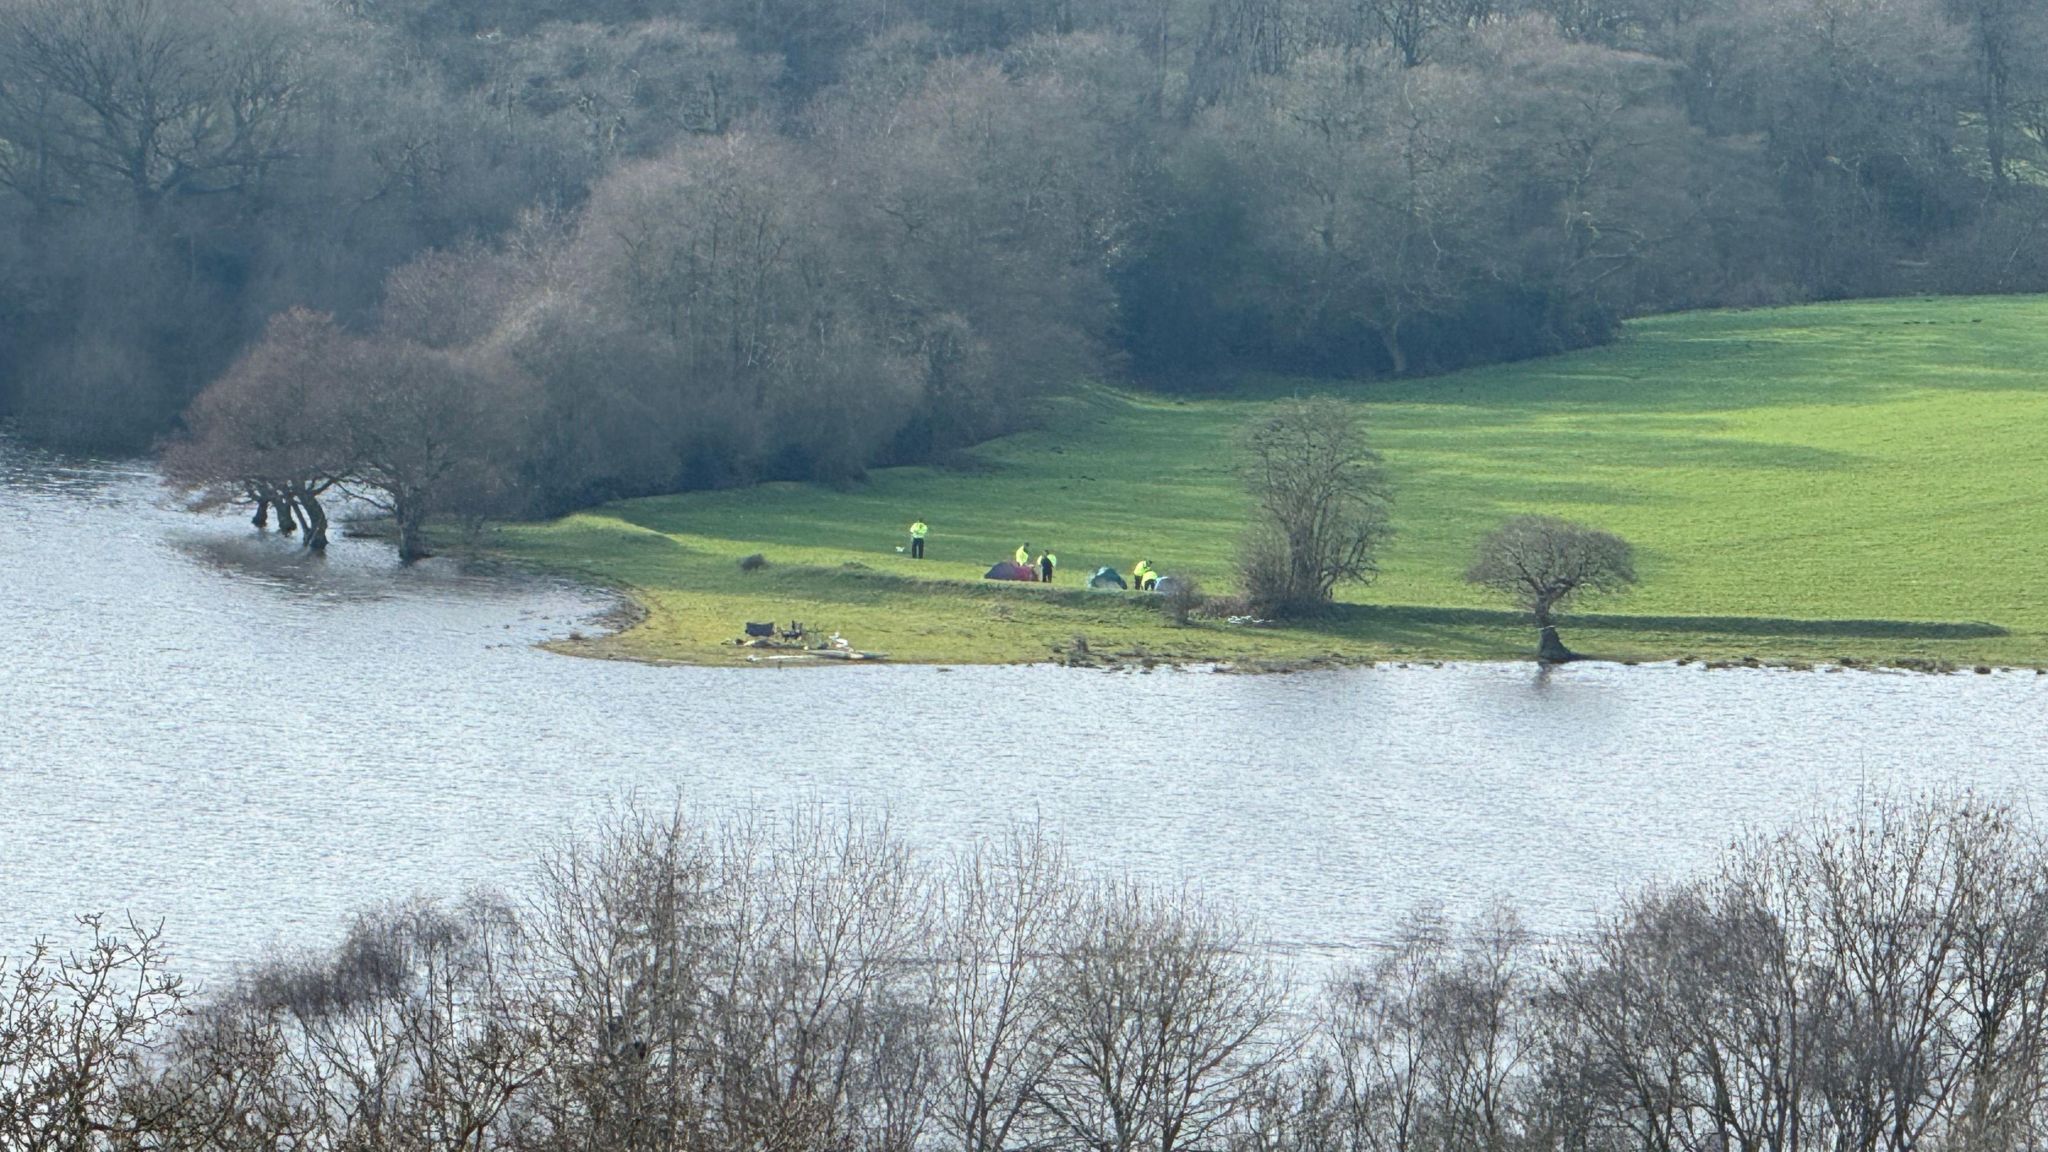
point(1871, 981)
point(1320, 503)
point(1182, 599)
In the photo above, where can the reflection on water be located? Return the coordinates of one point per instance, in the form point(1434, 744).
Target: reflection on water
point(204, 724)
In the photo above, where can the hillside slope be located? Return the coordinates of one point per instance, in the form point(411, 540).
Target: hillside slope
point(1860, 480)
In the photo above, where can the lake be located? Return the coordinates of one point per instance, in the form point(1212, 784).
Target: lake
point(200, 723)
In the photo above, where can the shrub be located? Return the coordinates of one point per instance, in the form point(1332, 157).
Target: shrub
point(1224, 607)
point(1267, 578)
point(1183, 601)
point(753, 563)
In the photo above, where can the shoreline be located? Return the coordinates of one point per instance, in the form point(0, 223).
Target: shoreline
point(615, 639)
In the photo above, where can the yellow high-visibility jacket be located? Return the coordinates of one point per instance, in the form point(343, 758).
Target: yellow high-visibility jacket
point(918, 530)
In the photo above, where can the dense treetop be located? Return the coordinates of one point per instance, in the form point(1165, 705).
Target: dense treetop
point(721, 240)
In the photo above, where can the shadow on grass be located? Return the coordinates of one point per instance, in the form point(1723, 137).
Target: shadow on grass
point(1386, 621)
point(1371, 617)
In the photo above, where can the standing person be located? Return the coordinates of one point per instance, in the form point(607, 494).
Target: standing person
point(1143, 578)
point(918, 530)
point(1023, 556)
point(1046, 563)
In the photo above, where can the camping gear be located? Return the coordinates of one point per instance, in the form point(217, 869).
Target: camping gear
point(795, 631)
point(760, 630)
point(1166, 585)
point(1106, 578)
point(1009, 571)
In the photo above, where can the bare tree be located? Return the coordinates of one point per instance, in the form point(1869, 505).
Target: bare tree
point(159, 100)
point(1427, 1045)
point(2006, 38)
point(1005, 904)
point(273, 430)
point(1545, 564)
point(815, 1020)
point(1370, 176)
point(1875, 980)
point(1856, 982)
point(1406, 26)
point(418, 1032)
point(626, 921)
point(77, 1030)
point(1321, 500)
point(1168, 1017)
point(429, 431)
point(2001, 978)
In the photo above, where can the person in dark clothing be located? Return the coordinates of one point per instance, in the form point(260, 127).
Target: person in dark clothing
point(1046, 564)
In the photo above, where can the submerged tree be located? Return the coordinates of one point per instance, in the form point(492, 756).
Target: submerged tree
point(430, 431)
point(1322, 503)
point(1543, 564)
point(272, 430)
point(410, 430)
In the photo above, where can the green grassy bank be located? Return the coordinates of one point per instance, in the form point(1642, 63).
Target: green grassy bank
point(1865, 480)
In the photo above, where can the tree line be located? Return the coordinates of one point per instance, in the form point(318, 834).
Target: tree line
point(1872, 981)
point(701, 242)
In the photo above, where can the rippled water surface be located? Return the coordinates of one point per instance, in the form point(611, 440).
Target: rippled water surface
point(199, 723)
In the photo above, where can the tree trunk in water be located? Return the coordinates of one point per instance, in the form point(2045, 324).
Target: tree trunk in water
point(286, 522)
point(1551, 650)
point(316, 522)
point(262, 517)
point(411, 545)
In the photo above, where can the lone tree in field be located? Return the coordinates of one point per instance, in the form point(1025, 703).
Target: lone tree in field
point(1321, 500)
point(1543, 564)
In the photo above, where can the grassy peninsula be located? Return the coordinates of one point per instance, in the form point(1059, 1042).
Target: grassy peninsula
point(1862, 480)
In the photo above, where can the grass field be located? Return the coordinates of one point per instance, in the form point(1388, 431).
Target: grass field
point(1861, 480)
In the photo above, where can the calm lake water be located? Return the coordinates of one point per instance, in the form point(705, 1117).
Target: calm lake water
point(200, 723)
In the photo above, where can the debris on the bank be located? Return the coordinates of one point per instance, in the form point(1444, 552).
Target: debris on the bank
point(795, 643)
